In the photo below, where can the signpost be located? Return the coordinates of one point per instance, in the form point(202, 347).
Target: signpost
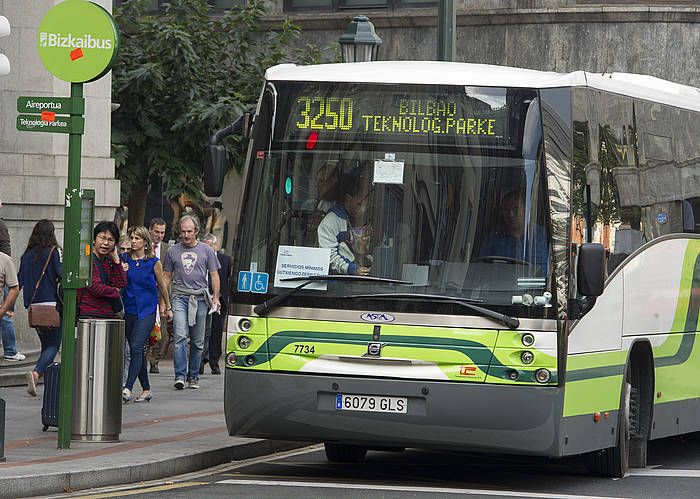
point(78, 42)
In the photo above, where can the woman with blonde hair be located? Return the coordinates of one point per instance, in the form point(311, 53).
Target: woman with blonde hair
point(144, 278)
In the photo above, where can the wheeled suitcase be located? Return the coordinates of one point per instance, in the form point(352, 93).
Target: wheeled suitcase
point(49, 406)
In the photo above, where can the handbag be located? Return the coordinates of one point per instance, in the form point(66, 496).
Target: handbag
point(41, 315)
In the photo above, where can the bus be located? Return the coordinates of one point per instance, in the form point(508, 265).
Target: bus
point(466, 257)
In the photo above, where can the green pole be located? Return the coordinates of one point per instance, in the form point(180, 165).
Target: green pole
point(446, 30)
point(71, 250)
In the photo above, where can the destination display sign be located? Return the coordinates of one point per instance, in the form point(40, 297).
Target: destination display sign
point(316, 113)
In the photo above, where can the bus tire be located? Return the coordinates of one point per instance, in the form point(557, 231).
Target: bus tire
point(613, 462)
point(344, 453)
point(638, 439)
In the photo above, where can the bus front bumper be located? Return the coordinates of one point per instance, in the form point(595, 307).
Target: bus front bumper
point(440, 415)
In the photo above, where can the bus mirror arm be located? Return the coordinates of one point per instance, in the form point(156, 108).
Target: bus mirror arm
point(240, 126)
point(215, 158)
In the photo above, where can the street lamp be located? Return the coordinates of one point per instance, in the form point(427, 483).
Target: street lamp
point(360, 43)
point(4, 31)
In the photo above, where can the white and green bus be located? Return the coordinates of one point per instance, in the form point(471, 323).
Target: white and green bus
point(466, 257)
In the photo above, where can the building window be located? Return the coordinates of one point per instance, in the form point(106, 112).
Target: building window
point(339, 5)
point(156, 5)
point(638, 2)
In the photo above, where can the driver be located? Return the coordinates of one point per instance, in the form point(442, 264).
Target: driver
point(512, 240)
point(349, 244)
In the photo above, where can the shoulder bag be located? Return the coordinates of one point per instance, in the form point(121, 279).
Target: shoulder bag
point(41, 315)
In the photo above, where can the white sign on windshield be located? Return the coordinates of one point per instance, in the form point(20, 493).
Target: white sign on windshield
point(302, 261)
point(388, 171)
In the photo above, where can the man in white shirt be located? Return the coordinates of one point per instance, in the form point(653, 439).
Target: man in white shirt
point(156, 352)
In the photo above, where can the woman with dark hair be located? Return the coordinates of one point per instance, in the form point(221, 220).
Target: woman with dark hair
point(39, 275)
point(103, 297)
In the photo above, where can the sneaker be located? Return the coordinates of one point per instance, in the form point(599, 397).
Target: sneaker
point(179, 384)
point(154, 369)
point(193, 383)
point(31, 384)
point(126, 395)
point(17, 356)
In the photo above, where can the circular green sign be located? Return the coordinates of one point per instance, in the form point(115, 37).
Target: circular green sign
point(78, 41)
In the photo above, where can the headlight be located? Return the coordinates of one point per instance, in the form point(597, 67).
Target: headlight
point(528, 339)
point(513, 374)
point(250, 360)
point(244, 325)
point(543, 375)
point(527, 357)
point(231, 359)
point(244, 342)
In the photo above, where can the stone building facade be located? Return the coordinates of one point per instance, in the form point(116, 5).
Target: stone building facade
point(34, 166)
point(657, 37)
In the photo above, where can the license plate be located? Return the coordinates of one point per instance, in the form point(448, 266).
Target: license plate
point(371, 403)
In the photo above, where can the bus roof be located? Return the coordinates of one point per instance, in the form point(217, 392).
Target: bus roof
point(455, 73)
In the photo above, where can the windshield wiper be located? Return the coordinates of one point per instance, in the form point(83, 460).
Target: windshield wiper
point(275, 301)
point(511, 322)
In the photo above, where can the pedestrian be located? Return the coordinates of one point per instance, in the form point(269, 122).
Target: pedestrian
point(216, 322)
point(8, 278)
point(102, 299)
point(7, 324)
point(157, 228)
point(39, 275)
point(124, 244)
point(144, 278)
point(188, 265)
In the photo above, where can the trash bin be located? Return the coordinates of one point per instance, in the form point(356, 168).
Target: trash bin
point(97, 393)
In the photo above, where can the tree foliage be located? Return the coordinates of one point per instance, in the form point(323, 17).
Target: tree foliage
point(181, 75)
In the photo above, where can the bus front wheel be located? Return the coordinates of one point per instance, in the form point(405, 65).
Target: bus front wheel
point(633, 430)
point(344, 453)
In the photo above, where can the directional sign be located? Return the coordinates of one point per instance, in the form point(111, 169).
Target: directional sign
point(58, 105)
point(49, 122)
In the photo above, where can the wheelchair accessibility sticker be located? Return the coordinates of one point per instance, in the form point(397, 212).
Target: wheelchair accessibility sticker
point(253, 282)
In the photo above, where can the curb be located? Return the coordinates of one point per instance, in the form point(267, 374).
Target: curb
point(58, 483)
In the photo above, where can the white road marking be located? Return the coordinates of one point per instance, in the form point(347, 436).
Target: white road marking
point(665, 472)
point(403, 488)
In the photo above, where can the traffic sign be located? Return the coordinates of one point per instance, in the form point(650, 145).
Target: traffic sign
point(58, 105)
point(49, 122)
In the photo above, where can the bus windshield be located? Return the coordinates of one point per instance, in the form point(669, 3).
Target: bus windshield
point(441, 187)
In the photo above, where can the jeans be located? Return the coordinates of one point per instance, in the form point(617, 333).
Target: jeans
point(127, 360)
point(7, 327)
point(9, 340)
point(50, 338)
point(181, 331)
point(137, 333)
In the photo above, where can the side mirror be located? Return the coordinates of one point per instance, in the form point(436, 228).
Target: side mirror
point(214, 170)
point(591, 269)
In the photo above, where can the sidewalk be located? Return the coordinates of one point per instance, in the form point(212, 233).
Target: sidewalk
point(177, 432)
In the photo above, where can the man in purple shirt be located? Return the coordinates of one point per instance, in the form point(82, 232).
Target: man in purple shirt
point(189, 266)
